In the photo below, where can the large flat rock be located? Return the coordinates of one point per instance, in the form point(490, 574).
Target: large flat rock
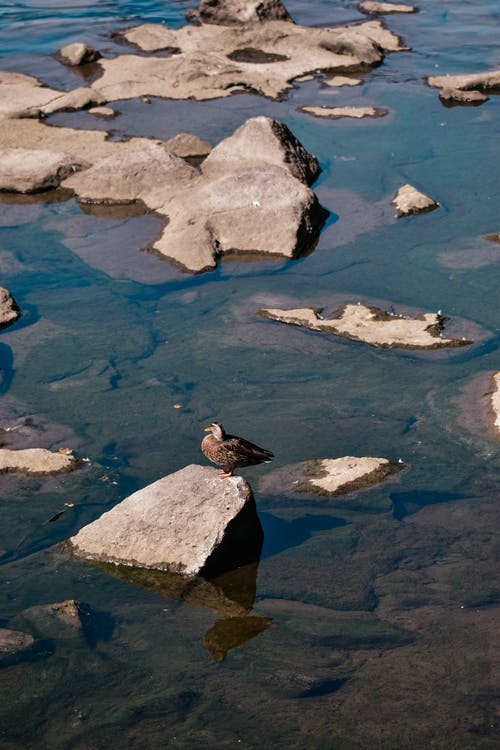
point(370, 325)
point(177, 523)
point(25, 170)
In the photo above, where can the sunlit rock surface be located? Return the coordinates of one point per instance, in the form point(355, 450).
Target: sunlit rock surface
point(408, 200)
point(330, 476)
point(9, 311)
point(25, 170)
point(179, 523)
point(36, 461)
point(466, 89)
point(335, 113)
point(370, 7)
point(370, 325)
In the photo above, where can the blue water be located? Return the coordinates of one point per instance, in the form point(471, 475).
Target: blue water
point(375, 619)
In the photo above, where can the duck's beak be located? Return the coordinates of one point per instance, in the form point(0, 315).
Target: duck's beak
point(207, 429)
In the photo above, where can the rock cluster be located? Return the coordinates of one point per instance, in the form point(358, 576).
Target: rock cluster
point(370, 325)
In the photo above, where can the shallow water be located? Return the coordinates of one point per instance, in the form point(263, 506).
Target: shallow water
point(384, 604)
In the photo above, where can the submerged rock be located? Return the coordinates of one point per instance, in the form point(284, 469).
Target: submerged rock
point(78, 54)
point(331, 476)
point(14, 642)
point(26, 170)
point(9, 311)
point(408, 200)
point(457, 96)
point(334, 113)
point(495, 399)
point(36, 461)
point(371, 325)
point(185, 522)
point(376, 8)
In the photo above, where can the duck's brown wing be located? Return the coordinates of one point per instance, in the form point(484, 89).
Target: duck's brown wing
point(245, 453)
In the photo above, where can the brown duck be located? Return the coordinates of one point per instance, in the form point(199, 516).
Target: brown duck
point(230, 451)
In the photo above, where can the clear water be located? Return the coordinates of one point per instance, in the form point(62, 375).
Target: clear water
point(385, 604)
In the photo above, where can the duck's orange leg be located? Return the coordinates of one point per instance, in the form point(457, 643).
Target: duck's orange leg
point(223, 474)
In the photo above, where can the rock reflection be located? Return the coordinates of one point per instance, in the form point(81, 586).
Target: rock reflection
point(233, 632)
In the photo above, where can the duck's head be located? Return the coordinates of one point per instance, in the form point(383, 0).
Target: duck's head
point(217, 430)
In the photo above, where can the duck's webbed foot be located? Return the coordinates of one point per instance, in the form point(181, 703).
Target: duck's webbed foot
point(223, 473)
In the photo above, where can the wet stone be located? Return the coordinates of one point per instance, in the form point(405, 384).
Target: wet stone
point(9, 311)
point(408, 200)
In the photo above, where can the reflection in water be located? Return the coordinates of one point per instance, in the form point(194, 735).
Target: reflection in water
point(227, 586)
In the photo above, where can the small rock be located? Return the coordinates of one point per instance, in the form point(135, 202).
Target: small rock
point(36, 461)
point(187, 146)
point(342, 81)
point(102, 112)
point(178, 523)
point(375, 8)
point(78, 54)
point(9, 311)
point(408, 200)
point(335, 113)
point(471, 85)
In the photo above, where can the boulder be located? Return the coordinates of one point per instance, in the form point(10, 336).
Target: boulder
point(371, 325)
point(183, 522)
point(408, 200)
point(36, 461)
point(330, 477)
point(334, 113)
point(262, 141)
point(229, 12)
point(107, 112)
point(78, 54)
point(13, 642)
point(495, 400)
point(375, 8)
point(26, 170)
point(9, 311)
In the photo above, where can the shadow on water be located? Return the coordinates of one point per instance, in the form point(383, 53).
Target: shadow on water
point(281, 534)
point(406, 503)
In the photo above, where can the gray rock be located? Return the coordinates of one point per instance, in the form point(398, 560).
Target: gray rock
point(26, 170)
point(228, 12)
point(78, 54)
point(334, 113)
point(177, 523)
point(36, 461)
point(56, 621)
point(9, 311)
point(408, 200)
point(466, 89)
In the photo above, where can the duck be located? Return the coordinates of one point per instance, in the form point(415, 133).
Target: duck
point(230, 451)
